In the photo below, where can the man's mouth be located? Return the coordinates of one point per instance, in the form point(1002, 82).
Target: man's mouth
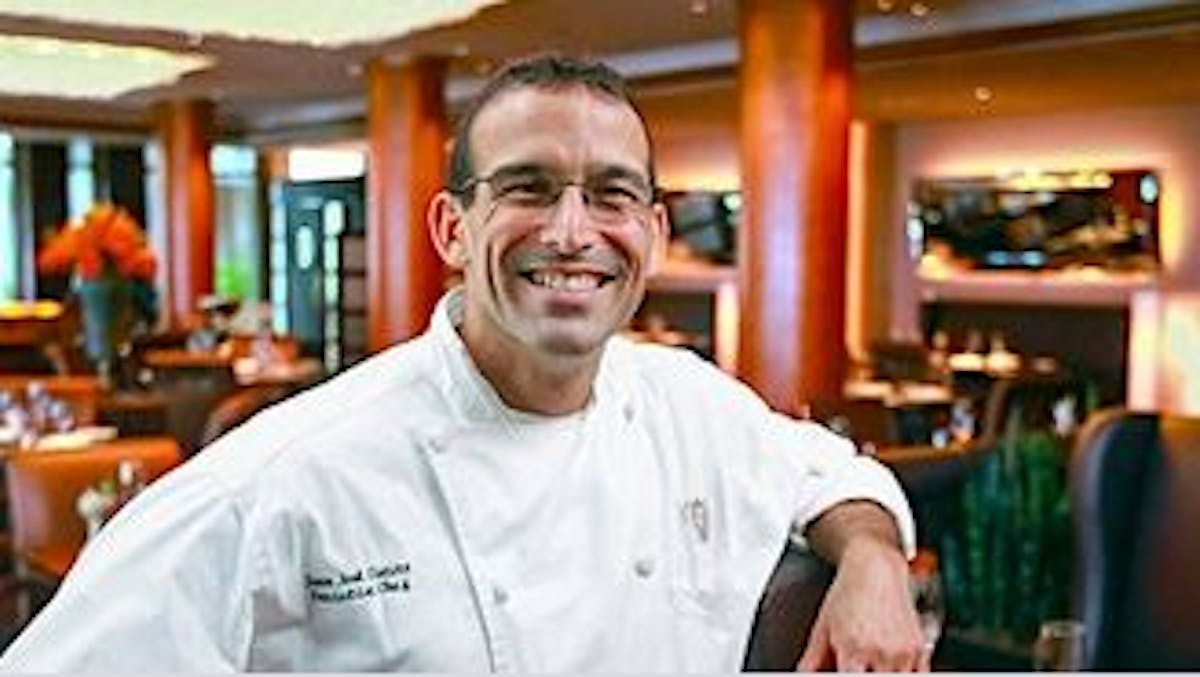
point(570, 281)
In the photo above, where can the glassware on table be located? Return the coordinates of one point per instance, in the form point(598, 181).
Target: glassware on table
point(37, 399)
point(1059, 646)
point(60, 417)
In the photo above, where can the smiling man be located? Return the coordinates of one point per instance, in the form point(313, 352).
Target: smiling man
point(555, 231)
point(516, 490)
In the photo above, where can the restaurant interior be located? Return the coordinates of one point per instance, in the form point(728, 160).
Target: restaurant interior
point(958, 232)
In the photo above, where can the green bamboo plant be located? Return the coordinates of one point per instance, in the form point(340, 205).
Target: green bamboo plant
point(1005, 541)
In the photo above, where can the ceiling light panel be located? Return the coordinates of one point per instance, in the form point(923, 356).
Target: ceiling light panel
point(38, 66)
point(313, 22)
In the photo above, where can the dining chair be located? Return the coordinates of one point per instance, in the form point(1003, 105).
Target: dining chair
point(47, 532)
point(237, 408)
point(1135, 490)
point(192, 393)
point(786, 611)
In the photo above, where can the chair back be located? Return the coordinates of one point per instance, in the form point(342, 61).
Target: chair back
point(1034, 396)
point(43, 487)
point(192, 393)
point(1135, 483)
point(787, 611)
point(237, 408)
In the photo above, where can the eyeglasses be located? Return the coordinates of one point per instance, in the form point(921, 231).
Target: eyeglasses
point(609, 197)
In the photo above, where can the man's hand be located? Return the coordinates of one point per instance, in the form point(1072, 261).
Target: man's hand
point(867, 621)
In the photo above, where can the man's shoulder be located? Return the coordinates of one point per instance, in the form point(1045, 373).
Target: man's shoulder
point(667, 365)
point(655, 359)
point(385, 397)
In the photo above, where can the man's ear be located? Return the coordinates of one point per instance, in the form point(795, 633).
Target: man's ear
point(660, 237)
point(447, 229)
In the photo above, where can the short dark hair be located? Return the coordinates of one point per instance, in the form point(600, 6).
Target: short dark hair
point(547, 72)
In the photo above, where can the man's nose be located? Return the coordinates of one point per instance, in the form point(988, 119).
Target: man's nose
point(568, 227)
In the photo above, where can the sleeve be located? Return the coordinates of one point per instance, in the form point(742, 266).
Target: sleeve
point(163, 587)
point(827, 470)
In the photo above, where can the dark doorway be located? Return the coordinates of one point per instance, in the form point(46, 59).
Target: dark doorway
point(326, 269)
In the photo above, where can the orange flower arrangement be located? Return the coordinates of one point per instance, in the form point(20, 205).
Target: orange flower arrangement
point(106, 238)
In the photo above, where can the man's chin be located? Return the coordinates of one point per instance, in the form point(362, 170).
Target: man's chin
point(567, 344)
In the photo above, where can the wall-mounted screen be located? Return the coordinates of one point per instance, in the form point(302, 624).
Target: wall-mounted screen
point(1037, 220)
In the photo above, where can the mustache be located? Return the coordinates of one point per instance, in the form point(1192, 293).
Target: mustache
point(541, 257)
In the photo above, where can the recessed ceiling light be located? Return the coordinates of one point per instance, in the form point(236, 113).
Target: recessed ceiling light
point(314, 22)
point(919, 10)
point(41, 66)
point(983, 94)
point(699, 7)
point(885, 5)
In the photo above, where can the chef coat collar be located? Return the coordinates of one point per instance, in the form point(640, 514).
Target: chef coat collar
point(467, 388)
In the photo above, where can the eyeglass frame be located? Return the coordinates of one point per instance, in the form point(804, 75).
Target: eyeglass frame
point(553, 198)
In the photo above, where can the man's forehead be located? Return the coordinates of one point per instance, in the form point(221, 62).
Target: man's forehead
point(524, 122)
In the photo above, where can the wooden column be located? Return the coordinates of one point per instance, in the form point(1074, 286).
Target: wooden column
point(795, 81)
point(185, 129)
point(406, 124)
point(872, 233)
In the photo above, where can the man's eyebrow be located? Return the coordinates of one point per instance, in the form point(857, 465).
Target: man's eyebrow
point(605, 172)
point(608, 172)
point(520, 168)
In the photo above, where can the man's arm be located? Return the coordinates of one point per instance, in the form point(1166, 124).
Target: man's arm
point(867, 621)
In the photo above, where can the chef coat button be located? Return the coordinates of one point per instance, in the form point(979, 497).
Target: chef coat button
point(499, 595)
point(643, 567)
point(628, 412)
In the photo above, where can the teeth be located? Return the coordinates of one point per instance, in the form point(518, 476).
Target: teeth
point(570, 282)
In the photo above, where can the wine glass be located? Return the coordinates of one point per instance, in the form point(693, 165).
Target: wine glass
point(59, 416)
point(926, 588)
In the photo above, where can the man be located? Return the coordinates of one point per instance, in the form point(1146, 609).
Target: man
point(515, 490)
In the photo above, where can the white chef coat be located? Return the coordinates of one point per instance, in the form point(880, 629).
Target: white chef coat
point(401, 517)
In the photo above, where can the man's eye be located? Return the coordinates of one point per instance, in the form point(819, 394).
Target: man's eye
point(527, 188)
point(615, 195)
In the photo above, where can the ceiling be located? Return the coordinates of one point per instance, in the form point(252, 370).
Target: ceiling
point(959, 58)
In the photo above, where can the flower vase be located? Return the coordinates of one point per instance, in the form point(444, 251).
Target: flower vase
point(106, 314)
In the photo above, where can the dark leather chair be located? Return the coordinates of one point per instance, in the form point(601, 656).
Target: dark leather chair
point(1032, 396)
point(192, 393)
point(1135, 483)
point(237, 408)
point(786, 612)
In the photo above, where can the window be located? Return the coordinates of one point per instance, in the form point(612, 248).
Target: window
point(81, 178)
point(238, 238)
point(10, 251)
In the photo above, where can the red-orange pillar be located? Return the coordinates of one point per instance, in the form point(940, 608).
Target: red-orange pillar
point(795, 82)
point(406, 123)
point(185, 130)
